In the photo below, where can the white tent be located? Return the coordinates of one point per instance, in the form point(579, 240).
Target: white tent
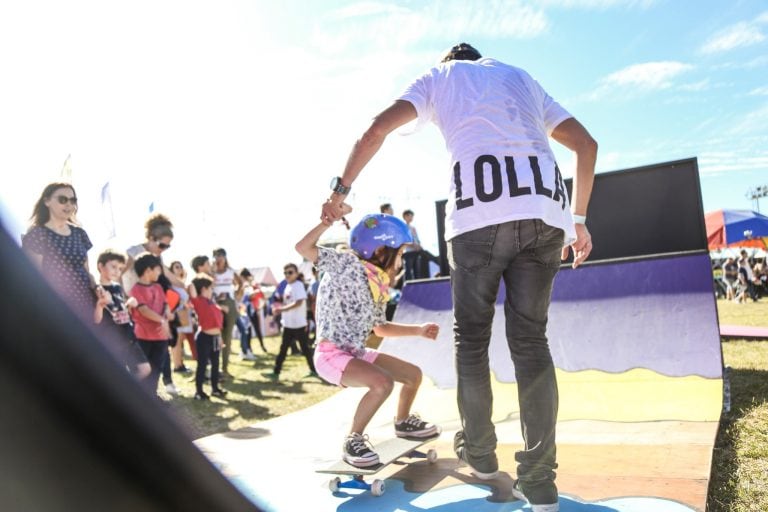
point(263, 276)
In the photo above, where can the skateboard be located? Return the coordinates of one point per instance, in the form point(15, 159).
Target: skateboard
point(389, 451)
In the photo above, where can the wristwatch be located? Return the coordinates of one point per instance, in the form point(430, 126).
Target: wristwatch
point(338, 187)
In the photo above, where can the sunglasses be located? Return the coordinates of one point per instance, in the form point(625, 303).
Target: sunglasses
point(289, 272)
point(163, 245)
point(65, 200)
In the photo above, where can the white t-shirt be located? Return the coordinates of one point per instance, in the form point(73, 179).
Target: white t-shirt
point(495, 120)
point(296, 317)
point(129, 277)
point(224, 283)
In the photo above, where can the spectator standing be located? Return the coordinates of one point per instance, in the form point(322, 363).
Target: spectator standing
point(226, 284)
point(151, 315)
point(293, 314)
point(184, 321)
point(59, 247)
point(254, 302)
point(113, 313)
point(745, 267)
point(208, 340)
point(158, 232)
point(508, 220)
point(730, 277)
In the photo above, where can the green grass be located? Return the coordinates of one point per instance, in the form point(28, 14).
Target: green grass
point(252, 396)
point(739, 481)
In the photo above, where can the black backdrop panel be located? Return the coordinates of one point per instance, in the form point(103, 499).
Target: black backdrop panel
point(655, 209)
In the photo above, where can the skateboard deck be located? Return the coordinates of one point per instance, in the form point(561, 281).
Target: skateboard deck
point(389, 451)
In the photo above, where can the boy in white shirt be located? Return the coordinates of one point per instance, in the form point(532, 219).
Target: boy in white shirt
point(293, 313)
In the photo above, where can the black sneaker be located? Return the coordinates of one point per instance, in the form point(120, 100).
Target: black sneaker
point(541, 495)
point(201, 396)
point(358, 452)
point(182, 369)
point(487, 473)
point(219, 393)
point(414, 426)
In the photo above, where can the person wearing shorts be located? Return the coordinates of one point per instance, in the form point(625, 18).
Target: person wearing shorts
point(351, 302)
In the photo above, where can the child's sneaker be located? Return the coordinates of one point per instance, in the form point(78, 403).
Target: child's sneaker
point(358, 452)
point(414, 426)
point(541, 495)
point(201, 396)
point(219, 393)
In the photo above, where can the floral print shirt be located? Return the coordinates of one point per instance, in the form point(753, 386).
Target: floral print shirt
point(346, 311)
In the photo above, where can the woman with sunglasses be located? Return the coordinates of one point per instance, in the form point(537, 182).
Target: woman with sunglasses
point(59, 246)
point(158, 230)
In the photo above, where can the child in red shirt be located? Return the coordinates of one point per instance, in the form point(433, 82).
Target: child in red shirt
point(151, 315)
point(211, 318)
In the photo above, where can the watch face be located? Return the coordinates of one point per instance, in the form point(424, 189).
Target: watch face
point(334, 182)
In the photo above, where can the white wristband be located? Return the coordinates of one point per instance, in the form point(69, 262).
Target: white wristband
point(579, 219)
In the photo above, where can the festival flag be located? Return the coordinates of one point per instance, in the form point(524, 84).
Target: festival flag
point(66, 169)
point(107, 212)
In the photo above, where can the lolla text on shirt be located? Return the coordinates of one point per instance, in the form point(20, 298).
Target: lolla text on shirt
point(557, 193)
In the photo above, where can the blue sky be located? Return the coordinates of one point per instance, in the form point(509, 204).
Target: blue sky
point(233, 116)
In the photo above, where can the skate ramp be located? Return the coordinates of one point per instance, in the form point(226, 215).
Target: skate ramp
point(637, 351)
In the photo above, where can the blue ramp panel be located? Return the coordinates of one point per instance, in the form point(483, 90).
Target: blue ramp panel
point(658, 314)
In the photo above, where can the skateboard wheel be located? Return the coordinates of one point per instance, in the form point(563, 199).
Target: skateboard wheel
point(333, 484)
point(432, 456)
point(377, 487)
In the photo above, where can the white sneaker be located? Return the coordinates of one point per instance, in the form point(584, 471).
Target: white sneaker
point(248, 356)
point(171, 389)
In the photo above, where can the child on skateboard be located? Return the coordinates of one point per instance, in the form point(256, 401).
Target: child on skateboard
point(351, 301)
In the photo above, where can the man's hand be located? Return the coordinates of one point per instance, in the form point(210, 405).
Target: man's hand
point(581, 247)
point(429, 330)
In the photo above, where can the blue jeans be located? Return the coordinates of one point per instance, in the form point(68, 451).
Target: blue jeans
point(525, 255)
point(245, 335)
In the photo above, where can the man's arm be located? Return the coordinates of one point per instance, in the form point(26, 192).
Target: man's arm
point(571, 134)
point(393, 117)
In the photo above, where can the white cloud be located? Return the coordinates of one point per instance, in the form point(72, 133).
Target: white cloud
point(735, 36)
point(597, 4)
point(752, 122)
point(759, 91)
point(395, 27)
point(646, 76)
point(701, 85)
point(363, 9)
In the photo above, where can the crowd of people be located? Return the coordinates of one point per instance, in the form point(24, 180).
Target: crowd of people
point(160, 312)
point(741, 279)
point(149, 313)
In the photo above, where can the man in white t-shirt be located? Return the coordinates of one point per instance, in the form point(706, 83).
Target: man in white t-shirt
point(293, 313)
point(508, 218)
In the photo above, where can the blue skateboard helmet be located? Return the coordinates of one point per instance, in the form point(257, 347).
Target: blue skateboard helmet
point(376, 230)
